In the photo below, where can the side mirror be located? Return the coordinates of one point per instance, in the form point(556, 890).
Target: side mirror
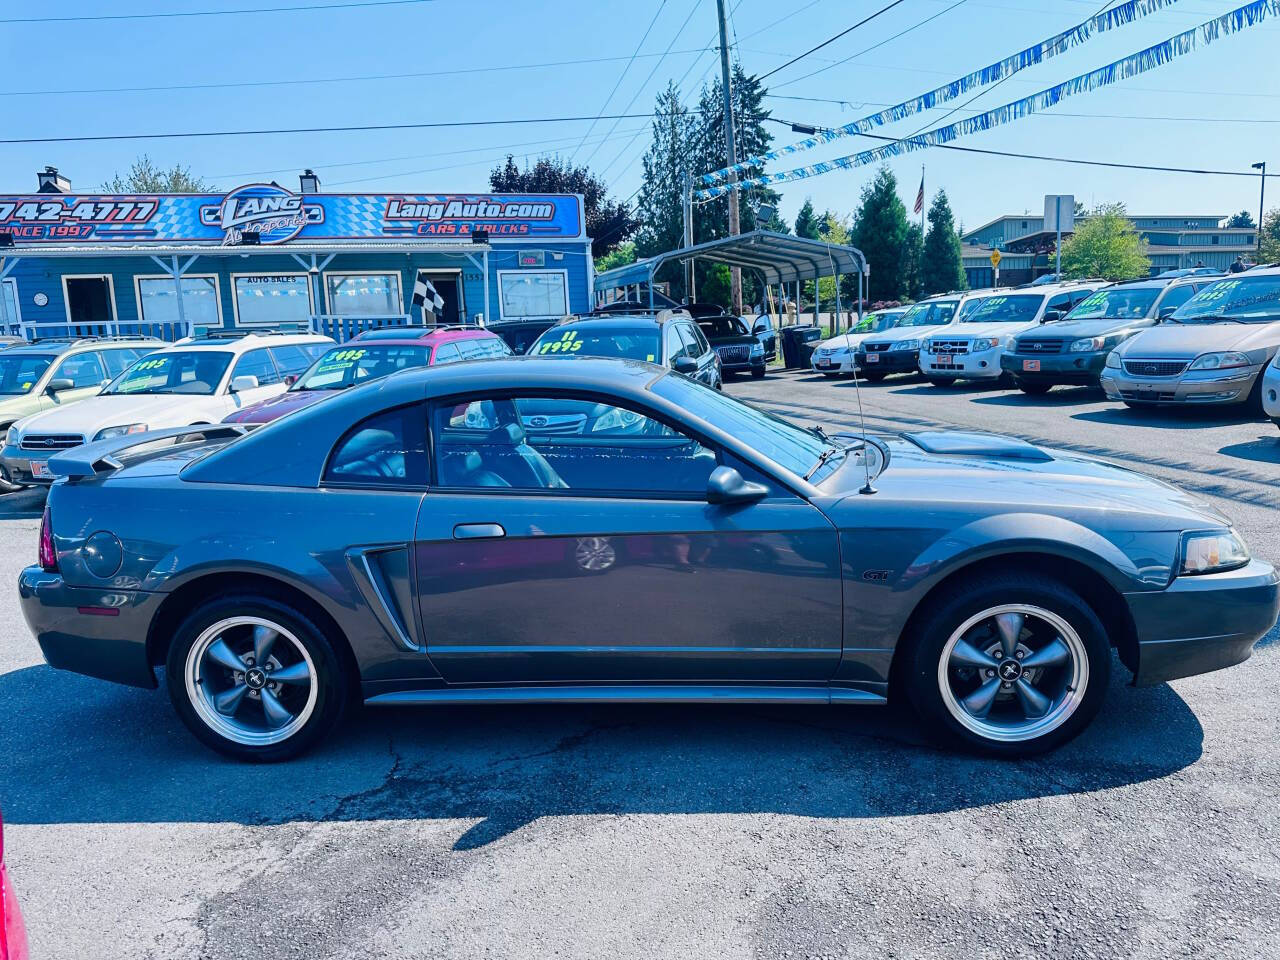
point(243, 382)
point(1051, 315)
point(62, 383)
point(726, 486)
point(1166, 313)
point(291, 378)
point(760, 328)
point(685, 365)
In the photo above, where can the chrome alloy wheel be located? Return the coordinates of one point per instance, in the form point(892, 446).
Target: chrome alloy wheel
point(251, 681)
point(1013, 673)
point(594, 554)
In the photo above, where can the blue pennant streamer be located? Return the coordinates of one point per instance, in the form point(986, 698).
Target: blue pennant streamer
point(1151, 58)
point(1116, 17)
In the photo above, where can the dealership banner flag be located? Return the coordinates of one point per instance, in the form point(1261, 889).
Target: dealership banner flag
point(1059, 43)
point(424, 293)
point(1249, 15)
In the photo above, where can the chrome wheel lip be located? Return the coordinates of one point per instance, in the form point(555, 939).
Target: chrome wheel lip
point(230, 728)
point(1031, 729)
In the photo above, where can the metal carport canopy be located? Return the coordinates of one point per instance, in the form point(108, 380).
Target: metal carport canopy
point(777, 257)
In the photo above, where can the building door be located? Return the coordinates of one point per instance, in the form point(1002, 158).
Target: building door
point(89, 301)
point(450, 290)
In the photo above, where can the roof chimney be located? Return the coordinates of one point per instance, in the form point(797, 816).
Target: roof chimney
point(51, 181)
point(309, 182)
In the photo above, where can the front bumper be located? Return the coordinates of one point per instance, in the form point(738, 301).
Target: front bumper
point(744, 366)
point(1204, 623)
point(17, 465)
point(75, 634)
point(832, 363)
point(888, 361)
point(980, 365)
point(1191, 387)
point(1081, 368)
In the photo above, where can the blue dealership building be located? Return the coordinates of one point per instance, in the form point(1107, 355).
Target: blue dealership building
point(264, 256)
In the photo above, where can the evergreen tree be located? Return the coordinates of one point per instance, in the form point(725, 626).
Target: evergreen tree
point(807, 221)
point(942, 269)
point(1242, 219)
point(912, 261)
point(1270, 252)
point(660, 206)
point(880, 232)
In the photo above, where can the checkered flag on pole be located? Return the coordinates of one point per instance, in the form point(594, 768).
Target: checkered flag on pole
point(425, 294)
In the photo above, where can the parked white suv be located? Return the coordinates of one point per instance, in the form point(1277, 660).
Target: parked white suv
point(194, 381)
point(898, 350)
point(972, 348)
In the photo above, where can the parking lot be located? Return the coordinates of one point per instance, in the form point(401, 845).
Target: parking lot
point(592, 831)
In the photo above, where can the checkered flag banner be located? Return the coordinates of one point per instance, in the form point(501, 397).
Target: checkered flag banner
point(424, 293)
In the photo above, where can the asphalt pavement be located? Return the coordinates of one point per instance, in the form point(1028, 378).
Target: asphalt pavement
point(655, 832)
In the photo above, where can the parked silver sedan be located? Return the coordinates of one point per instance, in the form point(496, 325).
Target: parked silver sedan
point(1212, 350)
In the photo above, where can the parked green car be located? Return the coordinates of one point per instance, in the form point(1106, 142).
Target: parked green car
point(48, 373)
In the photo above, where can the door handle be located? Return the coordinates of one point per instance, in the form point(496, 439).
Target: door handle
point(478, 531)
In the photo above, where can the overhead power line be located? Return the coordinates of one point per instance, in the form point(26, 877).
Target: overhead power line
point(831, 40)
point(170, 14)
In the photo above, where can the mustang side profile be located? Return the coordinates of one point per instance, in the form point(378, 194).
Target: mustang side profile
point(418, 541)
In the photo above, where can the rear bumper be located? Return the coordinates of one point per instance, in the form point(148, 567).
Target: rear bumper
point(889, 361)
point(109, 647)
point(1205, 623)
point(1056, 368)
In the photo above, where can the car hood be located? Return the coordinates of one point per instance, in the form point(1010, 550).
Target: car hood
point(842, 341)
point(1075, 329)
point(1184, 341)
point(264, 411)
point(89, 416)
point(898, 334)
point(971, 475)
point(962, 331)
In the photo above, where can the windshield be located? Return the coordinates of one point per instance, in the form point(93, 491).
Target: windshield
point(1016, 309)
point(929, 314)
point(1115, 303)
point(786, 444)
point(19, 374)
point(723, 327)
point(1251, 300)
point(347, 366)
point(633, 344)
point(182, 371)
point(967, 308)
point(877, 322)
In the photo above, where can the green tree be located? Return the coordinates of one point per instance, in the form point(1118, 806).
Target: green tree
point(1242, 219)
point(145, 177)
point(912, 262)
point(608, 222)
point(660, 206)
point(621, 255)
point(880, 232)
point(807, 221)
point(942, 269)
point(1270, 252)
point(1105, 245)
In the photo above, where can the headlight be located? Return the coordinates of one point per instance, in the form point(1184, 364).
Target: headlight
point(907, 345)
point(1212, 551)
point(926, 345)
point(1113, 361)
point(13, 437)
point(757, 350)
point(121, 431)
point(1220, 361)
point(984, 343)
point(1088, 345)
point(617, 419)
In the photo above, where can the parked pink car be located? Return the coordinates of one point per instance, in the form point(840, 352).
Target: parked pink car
point(374, 354)
point(13, 936)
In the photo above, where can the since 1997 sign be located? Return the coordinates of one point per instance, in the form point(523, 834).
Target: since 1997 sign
point(278, 215)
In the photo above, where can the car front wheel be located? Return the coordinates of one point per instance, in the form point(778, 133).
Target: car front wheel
point(941, 381)
point(254, 679)
point(1034, 389)
point(1009, 665)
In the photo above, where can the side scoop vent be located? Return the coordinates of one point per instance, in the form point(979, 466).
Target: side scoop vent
point(958, 444)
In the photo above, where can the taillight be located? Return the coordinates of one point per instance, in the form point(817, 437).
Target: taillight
point(48, 555)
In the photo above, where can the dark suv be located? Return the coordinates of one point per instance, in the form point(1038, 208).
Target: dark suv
point(1074, 350)
point(669, 337)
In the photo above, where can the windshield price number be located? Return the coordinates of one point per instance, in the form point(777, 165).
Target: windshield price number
point(569, 343)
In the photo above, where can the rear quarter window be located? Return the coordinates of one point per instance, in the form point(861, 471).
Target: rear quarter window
point(388, 449)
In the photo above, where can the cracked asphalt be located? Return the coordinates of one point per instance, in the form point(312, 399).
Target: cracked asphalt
point(655, 832)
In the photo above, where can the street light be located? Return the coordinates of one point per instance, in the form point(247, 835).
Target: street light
point(1262, 202)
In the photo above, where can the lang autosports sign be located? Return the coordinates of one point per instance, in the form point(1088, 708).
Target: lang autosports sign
point(277, 216)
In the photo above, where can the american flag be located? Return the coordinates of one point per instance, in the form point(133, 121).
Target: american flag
point(919, 197)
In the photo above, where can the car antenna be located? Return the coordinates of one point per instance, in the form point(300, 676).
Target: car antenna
point(867, 488)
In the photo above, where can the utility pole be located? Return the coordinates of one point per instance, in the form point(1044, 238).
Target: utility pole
point(731, 149)
point(689, 292)
point(1262, 203)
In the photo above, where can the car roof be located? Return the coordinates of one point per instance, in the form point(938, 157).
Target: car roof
point(60, 346)
point(622, 321)
point(420, 335)
point(242, 344)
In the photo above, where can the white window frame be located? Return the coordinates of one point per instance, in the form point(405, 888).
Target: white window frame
point(137, 291)
point(12, 284)
point(111, 297)
point(328, 297)
point(502, 300)
point(235, 300)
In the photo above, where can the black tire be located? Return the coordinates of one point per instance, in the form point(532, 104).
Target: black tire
point(832, 376)
point(1034, 389)
point(875, 377)
point(931, 633)
point(1254, 403)
point(332, 686)
point(940, 381)
point(757, 374)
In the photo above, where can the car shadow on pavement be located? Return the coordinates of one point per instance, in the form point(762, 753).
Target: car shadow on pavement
point(1262, 450)
point(1182, 418)
point(1059, 397)
point(960, 388)
point(73, 750)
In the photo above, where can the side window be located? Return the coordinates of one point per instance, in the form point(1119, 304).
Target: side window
point(764, 322)
point(565, 444)
point(386, 450)
point(675, 346)
point(447, 353)
point(117, 360)
point(1062, 303)
point(293, 359)
point(257, 363)
point(703, 345)
point(692, 348)
point(1177, 296)
point(83, 370)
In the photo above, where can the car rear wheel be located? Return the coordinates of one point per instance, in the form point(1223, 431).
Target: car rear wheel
point(1009, 665)
point(758, 373)
point(254, 679)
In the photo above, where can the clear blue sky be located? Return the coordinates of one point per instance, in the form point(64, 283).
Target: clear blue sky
point(464, 52)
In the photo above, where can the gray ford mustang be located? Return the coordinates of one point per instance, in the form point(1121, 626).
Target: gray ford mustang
point(604, 530)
